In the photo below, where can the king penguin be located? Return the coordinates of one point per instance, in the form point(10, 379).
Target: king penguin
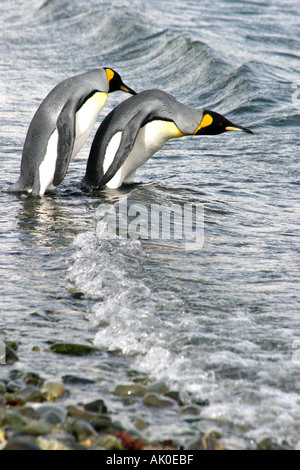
point(137, 128)
point(60, 127)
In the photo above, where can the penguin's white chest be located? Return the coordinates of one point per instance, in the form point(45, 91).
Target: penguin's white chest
point(150, 139)
point(85, 119)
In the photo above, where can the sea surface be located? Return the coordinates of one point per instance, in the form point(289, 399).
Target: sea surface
point(218, 323)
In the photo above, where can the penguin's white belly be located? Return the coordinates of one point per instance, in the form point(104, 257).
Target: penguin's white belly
point(150, 139)
point(47, 167)
point(86, 117)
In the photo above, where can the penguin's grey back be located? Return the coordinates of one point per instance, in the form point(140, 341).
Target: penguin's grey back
point(156, 105)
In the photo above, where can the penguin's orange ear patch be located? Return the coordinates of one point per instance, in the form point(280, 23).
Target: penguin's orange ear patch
point(206, 121)
point(110, 74)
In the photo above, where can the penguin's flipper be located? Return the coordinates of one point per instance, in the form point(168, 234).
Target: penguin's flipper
point(128, 138)
point(66, 128)
point(66, 137)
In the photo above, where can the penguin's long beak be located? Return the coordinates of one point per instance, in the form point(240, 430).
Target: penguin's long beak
point(127, 89)
point(233, 127)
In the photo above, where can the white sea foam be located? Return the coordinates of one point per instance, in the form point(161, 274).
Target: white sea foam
point(129, 312)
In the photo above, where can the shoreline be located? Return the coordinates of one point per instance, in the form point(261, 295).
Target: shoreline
point(34, 416)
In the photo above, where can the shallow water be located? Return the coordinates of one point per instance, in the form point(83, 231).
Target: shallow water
point(220, 323)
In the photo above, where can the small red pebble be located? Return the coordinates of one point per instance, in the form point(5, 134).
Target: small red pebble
point(128, 443)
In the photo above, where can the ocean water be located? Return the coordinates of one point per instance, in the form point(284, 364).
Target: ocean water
point(219, 323)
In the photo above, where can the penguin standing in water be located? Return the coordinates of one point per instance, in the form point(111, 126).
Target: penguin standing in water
point(60, 127)
point(137, 128)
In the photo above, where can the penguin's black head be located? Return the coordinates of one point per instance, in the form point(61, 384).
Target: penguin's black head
point(214, 123)
point(115, 82)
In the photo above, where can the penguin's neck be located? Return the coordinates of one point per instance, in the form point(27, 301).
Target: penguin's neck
point(157, 132)
point(86, 117)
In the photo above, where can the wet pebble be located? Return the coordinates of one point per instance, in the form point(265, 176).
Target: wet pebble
point(75, 380)
point(175, 396)
point(83, 429)
point(51, 413)
point(268, 444)
point(37, 427)
point(32, 378)
point(11, 348)
point(72, 349)
point(10, 418)
point(154, 399)
point(53, 390)
point(22, 396)
point(205, 442)
point(97, 406)
point(103, 423)
point(76, 294)
point(21, 444)
point(2, 387)
point(190, 410)
point(158, 387)
point(133, 390)
point(100, 421)
point(111, 442)
point(48, 443)
point(140, 424)
point(14, 386)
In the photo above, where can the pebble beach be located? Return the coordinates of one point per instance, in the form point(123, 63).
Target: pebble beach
point(36, 414)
